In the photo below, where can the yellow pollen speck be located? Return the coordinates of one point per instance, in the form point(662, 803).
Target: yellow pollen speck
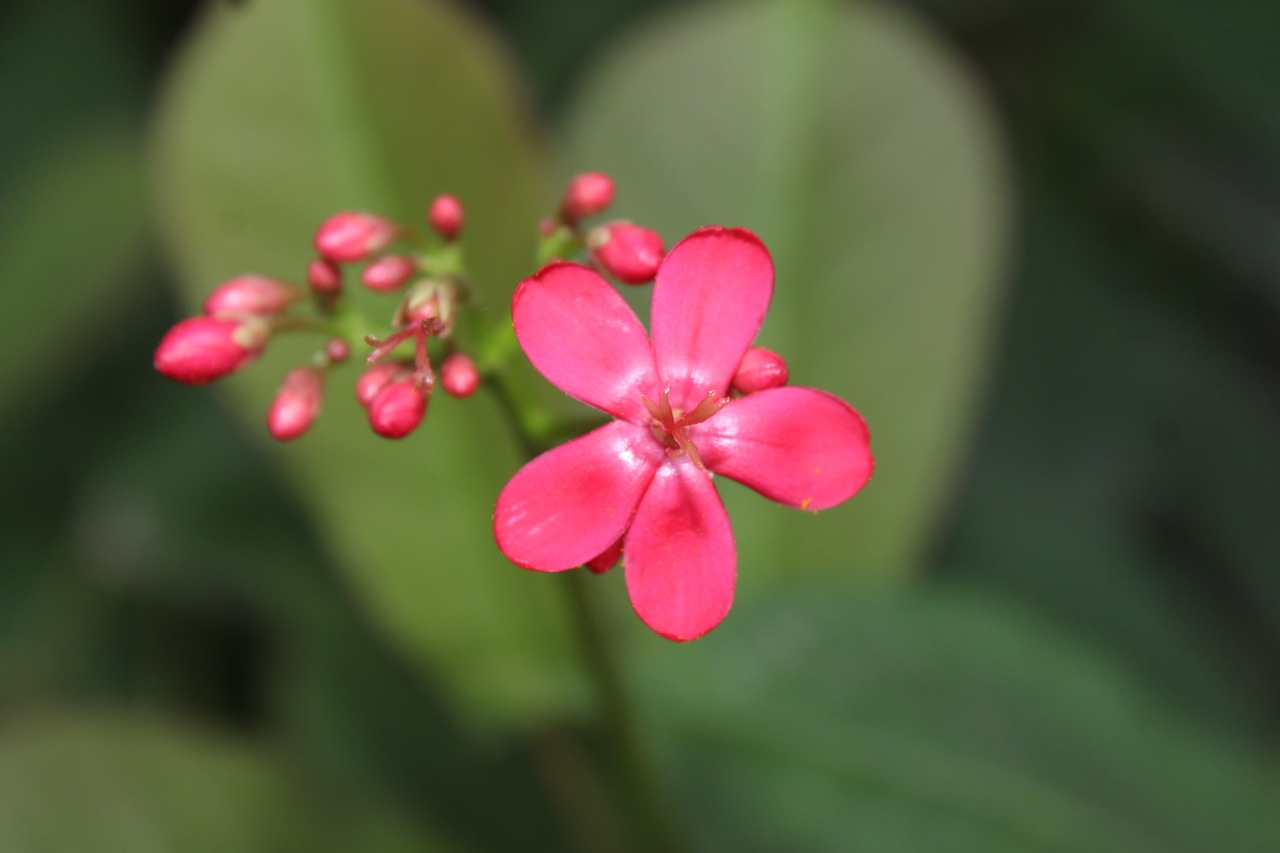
point(804, 504)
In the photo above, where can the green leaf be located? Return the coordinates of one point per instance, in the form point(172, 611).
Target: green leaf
point(866, 157)
point(138, 786)
point(938, 721)
point(281, 112)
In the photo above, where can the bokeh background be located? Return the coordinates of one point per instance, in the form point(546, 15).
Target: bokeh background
point(1036, 242)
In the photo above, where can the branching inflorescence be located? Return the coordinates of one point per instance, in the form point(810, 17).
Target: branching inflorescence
point(690, 401)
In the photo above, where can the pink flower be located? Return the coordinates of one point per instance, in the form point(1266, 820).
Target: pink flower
point(646, 478)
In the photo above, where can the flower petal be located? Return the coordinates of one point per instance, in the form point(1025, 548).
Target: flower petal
point(799, 446)
point(583, 337)
point(571, 503)
point(709, 299)
point(679, 555)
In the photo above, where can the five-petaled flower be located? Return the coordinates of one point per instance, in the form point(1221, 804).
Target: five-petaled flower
point(646, 478)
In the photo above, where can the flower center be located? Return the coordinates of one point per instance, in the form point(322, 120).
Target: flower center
point(671, 426)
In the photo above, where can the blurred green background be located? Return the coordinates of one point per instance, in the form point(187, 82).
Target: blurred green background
point(1036, 243)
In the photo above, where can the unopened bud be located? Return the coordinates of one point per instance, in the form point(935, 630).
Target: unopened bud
point(760, 370)
point(374, 378)
point(627, 252)
point(397, 408)
point(586, 195)
point(324, 276)
point(428, 299)
point(446, 216)
point(346, 237)
point(388, 273)
point(201, 349)
point(337, 350)
point(459, 376)
point(296, 404)
point(605, 561)
point(248, 295)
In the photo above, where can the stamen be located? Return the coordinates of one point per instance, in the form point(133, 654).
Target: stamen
point(709, 405)
point(652, 407)
point(687, 445)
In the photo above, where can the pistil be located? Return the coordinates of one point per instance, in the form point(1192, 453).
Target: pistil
point(671, 427)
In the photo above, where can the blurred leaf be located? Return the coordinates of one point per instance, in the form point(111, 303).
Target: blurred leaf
point(71, 239)
point(282, 112)
point(939, 722)
point(556, 39)
point(867, 159)
point(365, 718)
point(1126, 481)
point(139, 786)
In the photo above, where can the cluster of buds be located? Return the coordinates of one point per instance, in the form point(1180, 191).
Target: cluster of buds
point(424, 272)
point(625, 251)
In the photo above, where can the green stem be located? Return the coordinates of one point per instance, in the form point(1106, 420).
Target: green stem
point(563, 243)
point(642, 788)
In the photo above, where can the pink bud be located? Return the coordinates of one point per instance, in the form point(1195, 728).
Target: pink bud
point(446, 216)
point(605, 561)
point(760, 370)
point(201, 349)
point(346, 237)
point(627, 252)
point(397, 409)
point(374, 378)
point(388, 273)
point(459, 376)
point(337, 350)
point(324, 276)
point(428, 299)
point(296, 404)
point(586, 196)
point(248, 295)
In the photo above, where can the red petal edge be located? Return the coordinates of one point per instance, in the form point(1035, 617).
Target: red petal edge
point(799, 446)
point(679, 556)
point(584, 338)
point(571, 503)
point(709, 298)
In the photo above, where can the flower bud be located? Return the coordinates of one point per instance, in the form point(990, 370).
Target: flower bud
point(201, 349)
point(296, 404)
point(428, 299)
point(388, 273)
point(446, 216)
point(374, 378)
point(459, 376)
point(606, 560)
point(324, 276)
point(397, 408)
point(337, 350)
point(346, 237)
point(248, 295)
point(760, 370)
point(586, 196)
point(627, 252)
